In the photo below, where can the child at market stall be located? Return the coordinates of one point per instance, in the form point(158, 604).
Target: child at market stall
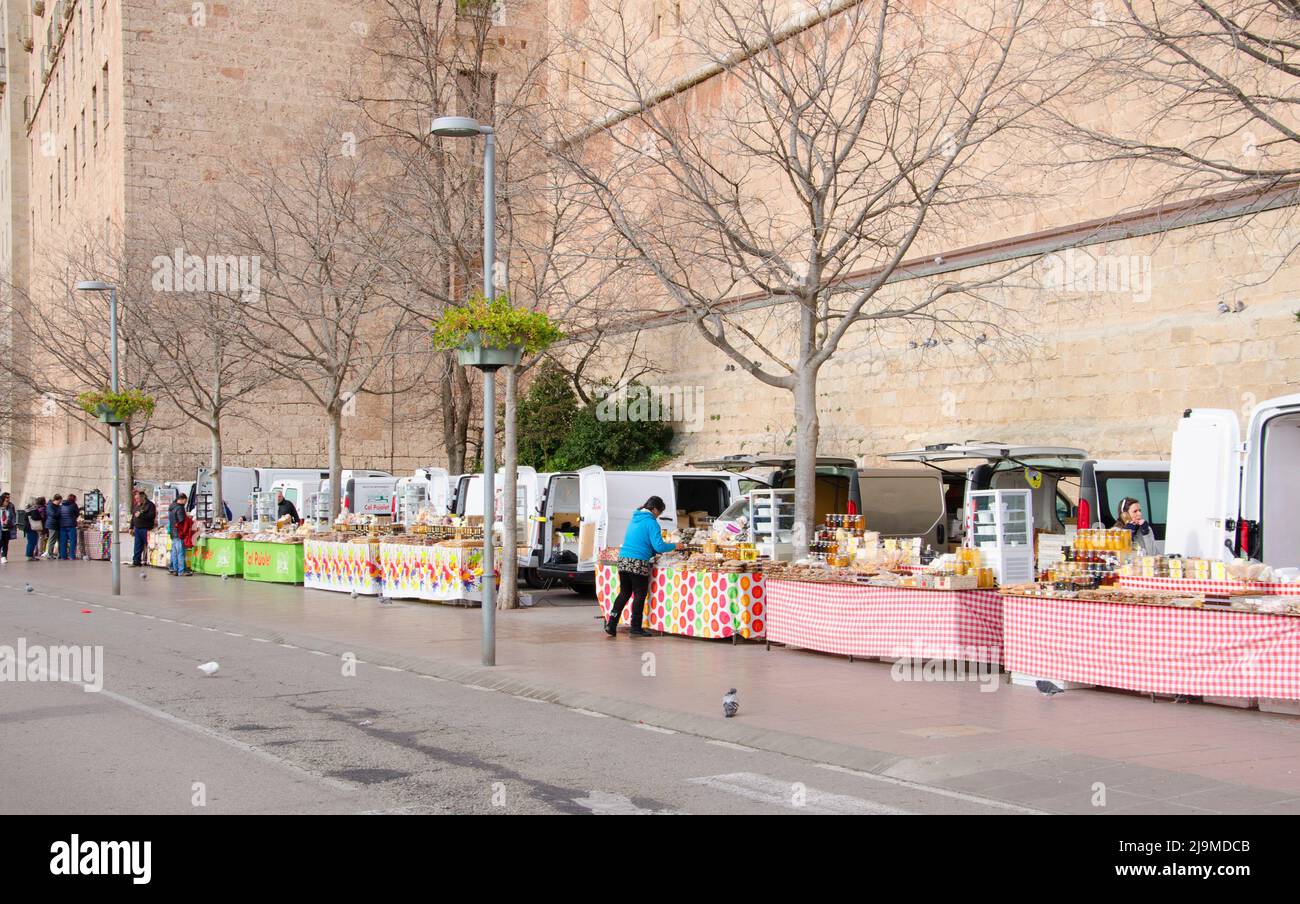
point(642, 542)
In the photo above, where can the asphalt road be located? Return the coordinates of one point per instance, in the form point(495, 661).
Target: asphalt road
point(282, 728)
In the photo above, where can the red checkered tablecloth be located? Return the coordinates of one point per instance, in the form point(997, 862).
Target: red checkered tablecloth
point(1154, 649)
point(886, 621)
point(1187, 585)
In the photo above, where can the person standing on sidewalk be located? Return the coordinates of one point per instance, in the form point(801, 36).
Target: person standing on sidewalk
point(180, 528)
point(69, 515)
point(8, 526)
point(35, 529)
point(144, 518)
point(52, 526)
point(642, 542)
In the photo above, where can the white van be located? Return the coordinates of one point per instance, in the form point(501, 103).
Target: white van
point(364, 495)
point(1229, 498)
point(237, 485)
point(427, 487)
point(1059, 478)
point(582, 512)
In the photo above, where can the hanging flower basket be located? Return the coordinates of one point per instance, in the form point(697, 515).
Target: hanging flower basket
point(491, 335)
point(106, 415)
point(115, 408)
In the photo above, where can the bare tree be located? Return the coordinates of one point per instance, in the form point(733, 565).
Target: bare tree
point(200, 290)
point(63, 336)
point(795, 157)
point(330, 315)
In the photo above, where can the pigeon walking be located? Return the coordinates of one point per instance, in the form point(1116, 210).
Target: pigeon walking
point(28, 588)
point(730, 705)
point(1048, 689)
point(209, 668)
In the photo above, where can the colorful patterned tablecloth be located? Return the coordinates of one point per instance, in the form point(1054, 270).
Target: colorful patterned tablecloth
point(97, 544)
point(276, 563)
point(345, 567)
point(435, 573)
point(693, 603)
point(1155, 649)
point(892, 622)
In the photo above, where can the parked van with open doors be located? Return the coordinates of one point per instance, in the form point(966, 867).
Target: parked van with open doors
point(1228, 498)
point(1061, 480)
point(583, 512)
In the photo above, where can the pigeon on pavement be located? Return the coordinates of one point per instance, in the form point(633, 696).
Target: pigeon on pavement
point(209, 668)
point(1048, 689)
point(730, 705)
point(28, 588)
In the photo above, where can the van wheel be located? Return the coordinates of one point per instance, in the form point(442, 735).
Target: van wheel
point(534, 580)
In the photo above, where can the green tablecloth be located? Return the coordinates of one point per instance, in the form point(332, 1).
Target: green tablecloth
point(219, 555)
point(280, 563)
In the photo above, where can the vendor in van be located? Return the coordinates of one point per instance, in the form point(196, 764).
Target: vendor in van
point(642, 542)
point(1129, 516)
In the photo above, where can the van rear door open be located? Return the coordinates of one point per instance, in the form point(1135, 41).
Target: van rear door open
point(1204, 484)
point(1270, 494)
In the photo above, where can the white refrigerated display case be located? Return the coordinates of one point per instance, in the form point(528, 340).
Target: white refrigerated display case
point(1002, 529)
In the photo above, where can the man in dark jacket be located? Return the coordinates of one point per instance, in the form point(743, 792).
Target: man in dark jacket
point(69, 515)
point(52, 526)
point(285, 507)
point(144, 518)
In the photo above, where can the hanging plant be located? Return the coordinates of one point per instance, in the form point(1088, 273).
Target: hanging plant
point(115, 408)
point(494, 333)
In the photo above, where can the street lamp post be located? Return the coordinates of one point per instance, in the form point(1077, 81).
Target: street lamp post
point(115, 552)
point(465, 127)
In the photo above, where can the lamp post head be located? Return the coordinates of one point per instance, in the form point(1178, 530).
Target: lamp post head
point(457, 127)
point(94, 285)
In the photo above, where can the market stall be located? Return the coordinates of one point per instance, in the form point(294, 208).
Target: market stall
point(694, 600)
point(438, 562)
point(1105, 615)
point(95, 540)
point(343, 563)
point(219, 554)
point(273, 558)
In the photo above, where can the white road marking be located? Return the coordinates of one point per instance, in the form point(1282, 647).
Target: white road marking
point(731, 746)
point(391, 668)
point(317, 653)
point(645, 727)
point(780, 793)
point(217, 736)
point(150, 617)
point(186, 624)
point(432, 678)
point(587, 712)
point(288, 646)
point(931, 789)
point(232, 634)
point(529, 699)
point(479, 687)
point(260, 640)
point(127, 612)
point(602, 803)
point(205, 628)
point(168, 620)
point(110, 608)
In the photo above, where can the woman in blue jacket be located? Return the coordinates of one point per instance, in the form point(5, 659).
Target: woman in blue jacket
point(642, 542)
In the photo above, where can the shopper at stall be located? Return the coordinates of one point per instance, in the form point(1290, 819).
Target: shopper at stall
point(69, 515)
point(1129, 516)
point(285, 507)
point(52, 526)
point(144, 518)
point(642, 542)
point(180, 527)
point(35, 528)
point(8, 526)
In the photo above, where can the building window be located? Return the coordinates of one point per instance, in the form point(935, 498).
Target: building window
point(74, 152)
point(106, 95)
point(83, 136)
point(94, 110)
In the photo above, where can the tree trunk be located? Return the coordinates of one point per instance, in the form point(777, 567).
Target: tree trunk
point(807, 427)
point(509, 596)
point(218, 494)
point(128, 468)
point(335, 416)
point(464, 404)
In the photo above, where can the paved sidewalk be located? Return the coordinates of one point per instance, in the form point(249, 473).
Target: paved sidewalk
point(1011, 744)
